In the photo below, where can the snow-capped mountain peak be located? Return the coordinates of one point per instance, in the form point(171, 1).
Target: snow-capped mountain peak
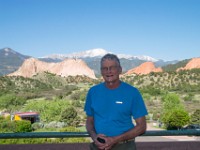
point(98, 52)
point(8, 50)
point(146, 58)
point(143, 57)
point(89, 53)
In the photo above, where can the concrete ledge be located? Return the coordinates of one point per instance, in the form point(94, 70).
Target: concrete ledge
point(176, 145)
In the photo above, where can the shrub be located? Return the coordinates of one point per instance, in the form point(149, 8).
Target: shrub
point(176, 118)
point(6, 126)
point(15, 126)
point(195, 117)
point(23, 126)
point(70, 116)
point(37, 125)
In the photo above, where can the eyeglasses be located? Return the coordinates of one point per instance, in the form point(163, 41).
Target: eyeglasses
point(111, 68)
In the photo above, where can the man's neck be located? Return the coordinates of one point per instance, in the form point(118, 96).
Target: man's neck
point(113, 85)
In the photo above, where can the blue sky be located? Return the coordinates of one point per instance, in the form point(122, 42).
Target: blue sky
point(163, 29)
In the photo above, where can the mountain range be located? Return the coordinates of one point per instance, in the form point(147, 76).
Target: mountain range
point(10, 60)
point(96, 53)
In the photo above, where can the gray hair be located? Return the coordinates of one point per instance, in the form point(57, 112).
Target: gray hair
point(110, 57)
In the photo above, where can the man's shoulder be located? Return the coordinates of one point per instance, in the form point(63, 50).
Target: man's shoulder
point(124, 84)
point(97, 86)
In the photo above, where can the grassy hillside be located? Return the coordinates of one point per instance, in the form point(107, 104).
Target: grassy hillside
point(51, 94)
point(181, 82)
point(154, 86)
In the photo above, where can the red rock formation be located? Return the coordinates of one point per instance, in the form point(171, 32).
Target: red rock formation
point(68, 67)
point(193, 63)
point(144, 68)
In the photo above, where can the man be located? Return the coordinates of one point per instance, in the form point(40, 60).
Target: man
point(111, 107)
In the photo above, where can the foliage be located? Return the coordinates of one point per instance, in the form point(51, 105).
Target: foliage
point(77, 104)
point(71, 140)
point(48, 140)
point(171, 101)
point(146, 96)
point(75, 96)
point(37, 125)
point(16, 84)
point(173, 116)
point(6, 126)
point(195, 117)
point(15, 126)
point(151, 90)
point(69, 115)
point(157, 83)
point(22, 126)
point(176, 119)
point(78, 95)
point(11, 102)
point(189, 97)
point(51, 110)
point(26, 141)
point(51, 95)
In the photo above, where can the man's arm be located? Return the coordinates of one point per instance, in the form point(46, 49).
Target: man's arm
point(90, 128)
point(139, 129)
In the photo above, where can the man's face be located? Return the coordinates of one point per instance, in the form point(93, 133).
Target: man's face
point(110, 70)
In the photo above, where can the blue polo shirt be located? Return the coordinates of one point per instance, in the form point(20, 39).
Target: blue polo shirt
point(114, 109)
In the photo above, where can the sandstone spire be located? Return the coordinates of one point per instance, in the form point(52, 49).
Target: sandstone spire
point(144, 68)
point(193, 63)
point(68, 67)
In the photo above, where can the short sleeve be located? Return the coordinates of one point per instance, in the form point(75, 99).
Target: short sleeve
point(88, 109)
point(138, 105)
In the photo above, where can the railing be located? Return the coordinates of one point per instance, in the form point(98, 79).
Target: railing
point(85, 134)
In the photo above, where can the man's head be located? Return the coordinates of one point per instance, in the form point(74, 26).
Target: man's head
point(112, 57)
point(111, 69)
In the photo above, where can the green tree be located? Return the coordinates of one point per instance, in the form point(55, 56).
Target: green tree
point(11, 101)
point(177, 118)
point(195, 117)
point(50, 110)
point(69, 115)
point(173, 115)
point(171, 101)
